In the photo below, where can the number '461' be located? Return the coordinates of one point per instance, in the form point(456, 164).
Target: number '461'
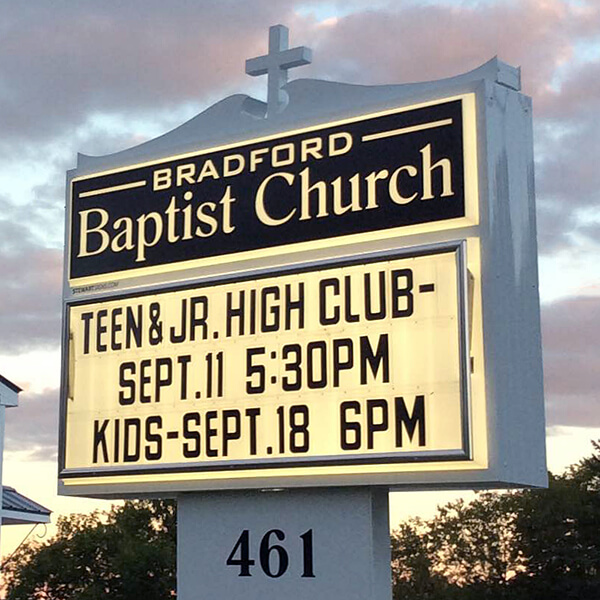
point(273, 558)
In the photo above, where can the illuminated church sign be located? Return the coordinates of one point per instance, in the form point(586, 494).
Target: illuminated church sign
point(326, 289)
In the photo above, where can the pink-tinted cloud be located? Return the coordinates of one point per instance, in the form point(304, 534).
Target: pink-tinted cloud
point(31, 290)
point(568, 172)
point(33, 425)
point(578, 95)
point(571, 329)
point(62, 61)
point(414, 42)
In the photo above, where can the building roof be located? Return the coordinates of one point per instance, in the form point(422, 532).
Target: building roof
point(17, 509)
point(10, 385)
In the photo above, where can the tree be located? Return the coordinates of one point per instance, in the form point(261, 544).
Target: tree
point(560, 533)
point(530, 544)
point(413, 565)
point(126, 553)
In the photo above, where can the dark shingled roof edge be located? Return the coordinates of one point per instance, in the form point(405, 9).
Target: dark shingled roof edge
point(10, 384)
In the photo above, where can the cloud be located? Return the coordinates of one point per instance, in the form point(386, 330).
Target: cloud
point(569, 168)
point(63, 61)
point(33, 425)
point(571, 329)
point(31, 276)
point(577, 93)
point(414, 42)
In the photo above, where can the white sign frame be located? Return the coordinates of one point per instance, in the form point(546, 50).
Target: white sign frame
point(507, 412)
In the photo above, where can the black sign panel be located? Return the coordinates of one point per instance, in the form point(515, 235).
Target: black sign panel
point(375, 173)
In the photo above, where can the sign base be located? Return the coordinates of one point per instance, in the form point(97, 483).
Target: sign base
point(296, 544)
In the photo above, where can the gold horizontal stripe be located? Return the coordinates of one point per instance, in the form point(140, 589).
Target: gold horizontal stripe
point(402, 131)
point(114, 188)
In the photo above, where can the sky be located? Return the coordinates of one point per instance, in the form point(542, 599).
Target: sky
point(99, 76)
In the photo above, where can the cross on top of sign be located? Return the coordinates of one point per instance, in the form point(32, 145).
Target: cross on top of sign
point(276, 64)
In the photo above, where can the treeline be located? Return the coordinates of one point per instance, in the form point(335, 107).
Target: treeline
point(127, 553)
point(526, 544)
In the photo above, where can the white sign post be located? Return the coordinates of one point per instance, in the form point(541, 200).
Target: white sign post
point(301, 544)
point(331, 294)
